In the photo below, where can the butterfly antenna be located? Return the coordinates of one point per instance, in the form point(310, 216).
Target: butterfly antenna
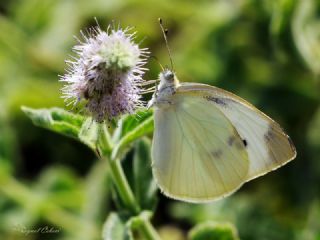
point(157, 60)
point(165, 32)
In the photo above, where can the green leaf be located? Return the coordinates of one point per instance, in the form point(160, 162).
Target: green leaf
point(86, 130)
point(88, 133)
point(131, 129)
point(129, 122)
point(56, 119)
point(213, 231)
point(145, 187)
point(98, 184)
point(95, 135)
point(115, 228)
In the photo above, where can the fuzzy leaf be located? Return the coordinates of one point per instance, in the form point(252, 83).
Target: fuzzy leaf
point(95, 135)
point(88, 133)
point(56, 119)
point(72, 125)
point(115, 228)
point(213, 231)
point(144, 185)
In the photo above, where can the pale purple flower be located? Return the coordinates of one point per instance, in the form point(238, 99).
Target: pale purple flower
point(106, 73)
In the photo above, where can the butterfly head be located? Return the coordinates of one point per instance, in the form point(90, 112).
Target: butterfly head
point(167, 79)
point(167, 76)
point(165, 89)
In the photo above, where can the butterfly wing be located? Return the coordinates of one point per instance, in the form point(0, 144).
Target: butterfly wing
point(192, 160)
point(267, 145)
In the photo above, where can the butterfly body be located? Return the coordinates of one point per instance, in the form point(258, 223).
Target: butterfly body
point(165, 90)
point(208, 142)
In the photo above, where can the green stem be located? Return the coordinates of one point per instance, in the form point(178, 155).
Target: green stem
point(105, 141)
point(129, 200)
point(148, 230)
point(123, 186)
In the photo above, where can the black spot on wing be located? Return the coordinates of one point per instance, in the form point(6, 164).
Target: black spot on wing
point(217, 153)
point(269, 135)
point(219, 101)
point(279, 144)
point(245, 142)
point(231, 140)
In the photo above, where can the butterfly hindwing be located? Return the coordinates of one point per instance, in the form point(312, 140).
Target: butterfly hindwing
point(193, 159)
point(267, 145)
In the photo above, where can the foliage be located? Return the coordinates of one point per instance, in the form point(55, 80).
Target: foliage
point(213, 231)
point(264, 51)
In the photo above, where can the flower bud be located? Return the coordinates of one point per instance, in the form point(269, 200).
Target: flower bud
point(106, 74)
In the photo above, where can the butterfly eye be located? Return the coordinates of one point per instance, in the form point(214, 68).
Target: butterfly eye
point(169, 76)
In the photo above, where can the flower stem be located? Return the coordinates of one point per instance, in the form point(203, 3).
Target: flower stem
point(148, 230)
point(128, 198)
point(123, 186)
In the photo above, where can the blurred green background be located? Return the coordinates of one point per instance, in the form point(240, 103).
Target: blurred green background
point(267, 52)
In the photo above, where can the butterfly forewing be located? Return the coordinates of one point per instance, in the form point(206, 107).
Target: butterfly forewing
point(193, 159)
point(267, 145)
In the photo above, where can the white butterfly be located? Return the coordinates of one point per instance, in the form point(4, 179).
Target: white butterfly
point(208, 142)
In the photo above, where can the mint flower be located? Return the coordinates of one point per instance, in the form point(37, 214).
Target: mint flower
point(106, 74)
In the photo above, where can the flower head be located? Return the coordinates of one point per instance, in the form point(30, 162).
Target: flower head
point(106, 74)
